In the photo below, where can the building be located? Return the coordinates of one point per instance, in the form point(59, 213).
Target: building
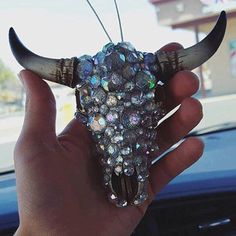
point(218, 75)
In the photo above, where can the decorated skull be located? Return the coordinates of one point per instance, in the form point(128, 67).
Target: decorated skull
point(117, 98)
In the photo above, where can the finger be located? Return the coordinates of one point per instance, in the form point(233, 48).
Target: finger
point(179, 124)
point(171, 165)
point(40, 112)
point(184, 84)
point(76, 132)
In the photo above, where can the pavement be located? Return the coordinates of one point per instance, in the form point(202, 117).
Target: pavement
point(216, 110)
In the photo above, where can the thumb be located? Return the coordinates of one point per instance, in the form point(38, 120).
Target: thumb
point(40, 111)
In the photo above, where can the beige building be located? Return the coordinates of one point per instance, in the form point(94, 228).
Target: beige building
point(219, 73)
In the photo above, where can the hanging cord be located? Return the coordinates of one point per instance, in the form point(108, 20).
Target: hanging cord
point(99, 20)
point(118, 15)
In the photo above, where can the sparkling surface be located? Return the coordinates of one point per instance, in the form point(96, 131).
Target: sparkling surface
point(116, 95)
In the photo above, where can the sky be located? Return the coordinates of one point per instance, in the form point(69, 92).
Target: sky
point(68, 28)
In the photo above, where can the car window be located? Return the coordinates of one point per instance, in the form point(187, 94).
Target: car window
point(66, 29)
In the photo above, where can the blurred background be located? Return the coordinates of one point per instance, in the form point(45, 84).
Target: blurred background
point(68, 28)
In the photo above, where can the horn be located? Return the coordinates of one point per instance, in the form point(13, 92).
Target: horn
point(192, 57)
point(57, 70)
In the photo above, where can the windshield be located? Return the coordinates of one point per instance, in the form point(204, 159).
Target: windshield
point(66, 29)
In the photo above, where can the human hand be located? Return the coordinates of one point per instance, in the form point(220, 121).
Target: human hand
point(59, 183)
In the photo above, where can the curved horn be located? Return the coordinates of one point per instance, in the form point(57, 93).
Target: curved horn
point(192, 57)
point(57, 70)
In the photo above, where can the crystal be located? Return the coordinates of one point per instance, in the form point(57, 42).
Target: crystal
point(108, 48)
point(149, 58)
point(116, 82)
point(131, 118)
point(109, 131)
point(94, 81)
point(84, 68)
point(118, 169)
point(97, 123)
point(122, 203)
point(129, 170)
point(111, 101)
point(103, 109)
point(126, 45)
point(129, 86)
point(125, 151)
point(114, 61)
point(99, 96)
point(132, 57)
point(112, 197)
point(113, 150)
point(119, 159)
point(99, 58)
point(137, 98)
point(138, 160)
point(106, 179)
point(112, 116)
point(145, 80)
point(111, 161)
point(105, 83)
point(129, 71)
point(117, 138)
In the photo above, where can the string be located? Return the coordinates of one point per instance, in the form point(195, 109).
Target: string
point(118, 15)
point(99, 20)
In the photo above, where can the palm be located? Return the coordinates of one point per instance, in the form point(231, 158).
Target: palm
point(59, 180)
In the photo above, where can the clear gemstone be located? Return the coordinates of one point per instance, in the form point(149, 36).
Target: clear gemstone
point(112, 116)
point(129, 170)
point(99, 96)
point(126, 151)
point(122, 203)
point(137, 98)
point(103, 109)
point(97, 123)
point(113, 150)
point(111, 101)
point(117, 138)
point(119, 159)
point(109, 131)
point(129, 86)
point(131, 118)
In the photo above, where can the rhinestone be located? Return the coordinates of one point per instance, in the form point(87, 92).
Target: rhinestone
point(113, 150)
point(111, 101)
point(94, 81)
point(129, 72)
point(129, 170)
point(99, 58)
point(143, 145)
point(137, 98)
point(132, 57)
point(108, 48)
point(109, 131)
point(122, 203)
point(103, 109)
point(118, 169)
point(145, 80)
point(112, 116)
point(84, 68)
point(125, 151)
point(114, 61)
point(117, 138)
point(120, 95)
point(126, 45)
point(104, 83)
point(111, 161)
point(141, 177)
point(116, 82)
point(119, 159)
point(149, 58)
point(131, 118)
point(150, 95)
point(97, 123)
point(112, 197)
point(99, 96)
point(129, 86)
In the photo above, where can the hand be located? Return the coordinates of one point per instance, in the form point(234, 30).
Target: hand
point(59, 182)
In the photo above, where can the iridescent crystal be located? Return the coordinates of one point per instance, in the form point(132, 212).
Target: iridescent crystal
point(97, 123)
point(111, 101)
point(99, 96)
point(94, 81)
point(113, 150)
point(112, 116)
point(131, 118)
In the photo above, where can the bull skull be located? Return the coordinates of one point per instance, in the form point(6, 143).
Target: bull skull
point(116, 95)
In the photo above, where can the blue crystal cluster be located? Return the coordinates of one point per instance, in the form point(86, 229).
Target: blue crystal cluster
point(116, 99)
